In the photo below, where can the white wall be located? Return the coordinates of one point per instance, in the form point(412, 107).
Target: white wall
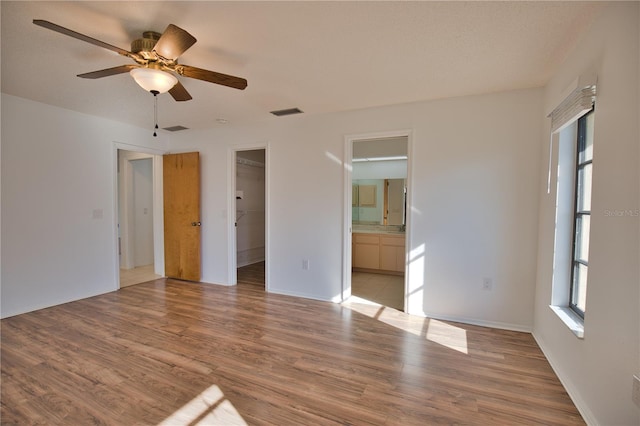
point(597, 371)
point(475, 169)
point(58, 203)
point(143, 211)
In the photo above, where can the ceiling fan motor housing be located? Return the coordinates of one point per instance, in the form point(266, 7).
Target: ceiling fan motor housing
point(144, 46)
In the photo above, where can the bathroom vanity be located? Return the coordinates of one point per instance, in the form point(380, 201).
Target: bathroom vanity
point(378, 251)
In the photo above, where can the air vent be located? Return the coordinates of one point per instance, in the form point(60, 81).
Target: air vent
point(290, 111)
point(175, 128)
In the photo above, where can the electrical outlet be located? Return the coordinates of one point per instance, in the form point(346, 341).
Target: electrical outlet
point(305, 264)
point(487, 284)
point(635, 394)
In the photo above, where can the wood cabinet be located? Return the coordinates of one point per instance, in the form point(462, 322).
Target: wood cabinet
point(366, 251)
point(392, 252)
point(384, 253)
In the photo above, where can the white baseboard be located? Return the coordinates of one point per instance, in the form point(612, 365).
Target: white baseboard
point(571, 389)
point(482, 323)
point(297, 294)
point(250, 262)
point(249, 256)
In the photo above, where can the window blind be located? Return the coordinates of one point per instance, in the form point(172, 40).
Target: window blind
point(577, 104)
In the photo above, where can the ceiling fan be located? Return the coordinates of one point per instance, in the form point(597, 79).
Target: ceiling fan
point(156, 56)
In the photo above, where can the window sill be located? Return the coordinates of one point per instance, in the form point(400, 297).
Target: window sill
point(570, 319)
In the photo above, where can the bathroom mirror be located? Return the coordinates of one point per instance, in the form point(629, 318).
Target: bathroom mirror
point(378, 181)
point(378, 201)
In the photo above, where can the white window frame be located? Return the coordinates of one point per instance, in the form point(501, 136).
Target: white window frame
point(564, 134)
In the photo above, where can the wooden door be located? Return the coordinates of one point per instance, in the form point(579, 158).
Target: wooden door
point(181, 175)
point(394, 201)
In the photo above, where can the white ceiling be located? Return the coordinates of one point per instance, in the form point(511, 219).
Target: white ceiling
point(318, 56)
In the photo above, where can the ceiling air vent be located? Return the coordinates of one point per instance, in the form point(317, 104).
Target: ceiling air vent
point(175, 128)
point(290, 111)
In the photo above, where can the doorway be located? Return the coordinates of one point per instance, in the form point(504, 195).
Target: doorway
point(250, 217)
point(376, 218)
point(136, 218)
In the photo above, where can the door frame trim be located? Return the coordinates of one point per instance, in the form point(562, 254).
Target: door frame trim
point(232, 261)
point(347, 213)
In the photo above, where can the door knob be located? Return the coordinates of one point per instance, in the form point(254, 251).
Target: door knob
point(195, 223)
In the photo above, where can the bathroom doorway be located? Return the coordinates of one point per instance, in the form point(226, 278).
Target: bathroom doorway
point(378, 218)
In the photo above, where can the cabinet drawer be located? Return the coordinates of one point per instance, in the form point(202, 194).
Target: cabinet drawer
point(366, 238)
point(388, 240)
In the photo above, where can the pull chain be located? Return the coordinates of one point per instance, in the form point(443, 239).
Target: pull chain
point(155, 111)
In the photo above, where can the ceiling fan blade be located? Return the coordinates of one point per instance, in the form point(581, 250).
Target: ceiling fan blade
point(74, 34)
point(173, 42)
point(179, 93)
point(109, 71)
point(212, 77)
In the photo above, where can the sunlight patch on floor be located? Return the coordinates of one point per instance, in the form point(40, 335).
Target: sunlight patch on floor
point(433, 330)
point(361, 301)
point(209, 408)
point(447, 335)
point(390, 316)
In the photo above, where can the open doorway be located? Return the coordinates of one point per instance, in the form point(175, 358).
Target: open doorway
point(378, 219)
point(136, 221)
point(250, 217)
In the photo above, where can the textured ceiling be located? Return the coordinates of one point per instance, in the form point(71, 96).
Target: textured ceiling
point(318, 56)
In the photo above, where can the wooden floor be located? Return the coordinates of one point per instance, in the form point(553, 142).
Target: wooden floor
point(252, 275)
point(177, 353)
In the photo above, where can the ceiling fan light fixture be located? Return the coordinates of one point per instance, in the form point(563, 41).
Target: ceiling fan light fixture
point(153, 54)
point(153, 80)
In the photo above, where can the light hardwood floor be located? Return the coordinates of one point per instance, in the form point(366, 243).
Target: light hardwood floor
point(252, 275)
point(171, 352)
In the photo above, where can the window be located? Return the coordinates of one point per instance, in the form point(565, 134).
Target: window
point(572, 125)
point(582, 214)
